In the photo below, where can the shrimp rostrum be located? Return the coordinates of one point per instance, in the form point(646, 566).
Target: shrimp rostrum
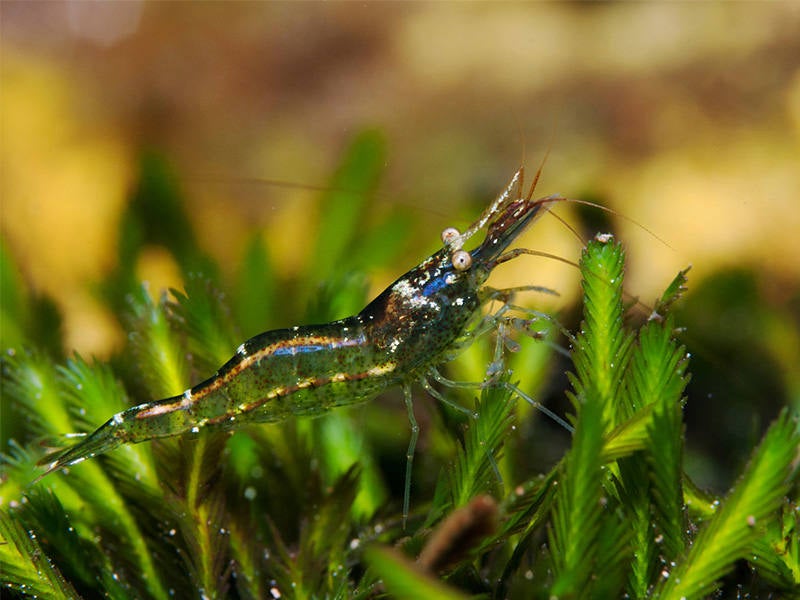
point(418, 322)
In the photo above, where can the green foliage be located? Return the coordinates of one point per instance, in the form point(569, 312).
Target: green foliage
point(474, 469)
point(731, 533)
point(403, 579)
point(309, 508)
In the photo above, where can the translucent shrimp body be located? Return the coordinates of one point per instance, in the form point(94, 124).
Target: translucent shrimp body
point(396, 340)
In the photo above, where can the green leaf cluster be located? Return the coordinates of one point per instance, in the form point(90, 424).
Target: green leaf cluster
point(312, 508)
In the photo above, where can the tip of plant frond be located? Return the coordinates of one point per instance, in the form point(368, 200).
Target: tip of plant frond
point(673, 292)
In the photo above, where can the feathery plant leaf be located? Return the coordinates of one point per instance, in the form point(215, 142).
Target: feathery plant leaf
point(80, 558)
point(777, 554)
point(530, 501)
point(633, 491)
point(525, 509)
point(202, 521)
point(578, 508)
point(31, 382)
point(24, 567)
point(92, 495)
point(657, 370)
point(320, 558)
point(475, 469)
point(652, 487)
point(673, 292)
point(732, 532)
point(629, 436)
point(666, 363)
point(159, 355)
point(602, 348)
point(614, 552)
point(106, 509)
point(599, 357)
point(203, 314)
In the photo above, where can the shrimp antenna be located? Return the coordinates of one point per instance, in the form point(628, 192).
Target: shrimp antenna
point(606, 209)
point(544, 159)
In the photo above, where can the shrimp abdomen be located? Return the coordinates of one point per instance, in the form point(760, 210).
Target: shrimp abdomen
point(278, 374)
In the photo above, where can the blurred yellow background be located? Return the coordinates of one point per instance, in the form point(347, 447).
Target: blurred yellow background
point(683, 117)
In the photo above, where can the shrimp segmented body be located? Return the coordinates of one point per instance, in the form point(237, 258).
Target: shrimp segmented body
point(418, 322)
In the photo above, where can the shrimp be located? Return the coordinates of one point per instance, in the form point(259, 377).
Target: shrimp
point(398, 339)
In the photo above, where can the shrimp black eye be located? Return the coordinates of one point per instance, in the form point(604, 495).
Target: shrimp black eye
point(461, 260)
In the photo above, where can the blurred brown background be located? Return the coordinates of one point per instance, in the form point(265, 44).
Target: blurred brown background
point(683, 117)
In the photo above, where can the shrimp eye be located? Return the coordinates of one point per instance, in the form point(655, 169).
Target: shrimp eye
point(461, 260)
point(450, 236)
